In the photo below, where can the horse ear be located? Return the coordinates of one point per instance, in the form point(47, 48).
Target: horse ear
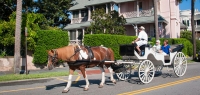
point(52, 50)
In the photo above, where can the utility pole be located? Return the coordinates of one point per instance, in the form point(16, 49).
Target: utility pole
point(18, 37)
point(193, 29)
point(156, 19)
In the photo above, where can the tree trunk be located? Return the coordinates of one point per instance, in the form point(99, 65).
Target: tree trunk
point(193, 29)
point(156, 19)
point(18, 37)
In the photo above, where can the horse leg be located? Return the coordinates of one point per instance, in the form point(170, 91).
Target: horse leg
point(69, 81)
point(103, 76)
point(83, 71)
point(111, 74)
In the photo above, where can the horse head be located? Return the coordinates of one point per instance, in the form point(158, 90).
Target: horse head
point(52, 58)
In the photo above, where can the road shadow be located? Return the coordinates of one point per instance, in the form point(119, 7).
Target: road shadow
point(79, 84)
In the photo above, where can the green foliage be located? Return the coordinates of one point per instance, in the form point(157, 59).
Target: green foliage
point(48, 39)
point(108, 40)
point(110, 22)
point(52, 11)
point(186, 35)
point(197, 46)
point(113, 41)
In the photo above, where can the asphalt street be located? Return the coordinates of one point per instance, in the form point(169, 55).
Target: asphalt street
point(165, 84)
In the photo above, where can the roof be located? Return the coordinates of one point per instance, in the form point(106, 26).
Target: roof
point(142, 20)
point(77, 25)
point(182, 26)
point(81, 4)
point(138, 20)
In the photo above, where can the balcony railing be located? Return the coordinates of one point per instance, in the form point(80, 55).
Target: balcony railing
point(78, 20)
point(141, 13)
point(79, 42)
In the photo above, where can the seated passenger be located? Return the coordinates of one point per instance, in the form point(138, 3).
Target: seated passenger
point(165, 48)
point(157, 46)
point(141, 40)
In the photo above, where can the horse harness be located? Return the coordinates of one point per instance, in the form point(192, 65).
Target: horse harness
point(55, 55)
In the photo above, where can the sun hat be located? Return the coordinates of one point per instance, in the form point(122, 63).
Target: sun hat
point(158, 41)
point(142, 28)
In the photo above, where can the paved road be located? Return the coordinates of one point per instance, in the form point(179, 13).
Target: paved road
point(161, 85)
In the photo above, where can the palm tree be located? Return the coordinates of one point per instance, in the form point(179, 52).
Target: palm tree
point(193, 29)
point(18, 36)
point(156, 19)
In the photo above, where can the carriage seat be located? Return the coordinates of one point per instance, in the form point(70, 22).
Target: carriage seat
point(177, 48)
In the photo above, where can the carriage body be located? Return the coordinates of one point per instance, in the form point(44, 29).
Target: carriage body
point(150, 62)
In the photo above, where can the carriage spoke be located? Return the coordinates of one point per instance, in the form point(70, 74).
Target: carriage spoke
point(180, 64)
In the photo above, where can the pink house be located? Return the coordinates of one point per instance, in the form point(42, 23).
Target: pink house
point(137, 13)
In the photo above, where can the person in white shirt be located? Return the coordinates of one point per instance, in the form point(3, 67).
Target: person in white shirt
point(141, 39)
point(157, 46)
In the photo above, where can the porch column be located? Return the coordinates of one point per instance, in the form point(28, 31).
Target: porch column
point(93, 8)
point(89, 13)
point(106, 8)
point(79, 15)
point(83, 36)
point(111, 7)
point(136, 29)
point(119, 8)
point(72, 17)
point(76, 36)
point(137, 8)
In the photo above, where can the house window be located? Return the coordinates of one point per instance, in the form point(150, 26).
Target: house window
point(184, 22)
point(109, 7)
point(140, 6)
point(84, 13)
point(198, 22)
point(101, 7)
point(75, 14)
point(80, 34)
point(72, 35)
point(188, 23)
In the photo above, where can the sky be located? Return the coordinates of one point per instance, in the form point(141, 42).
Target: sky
point(186, 5)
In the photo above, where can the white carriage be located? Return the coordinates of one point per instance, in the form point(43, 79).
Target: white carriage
point(150, 62)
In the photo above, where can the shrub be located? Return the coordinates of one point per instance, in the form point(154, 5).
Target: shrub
point(108, 40)
point(48, 39)
point(113, 41)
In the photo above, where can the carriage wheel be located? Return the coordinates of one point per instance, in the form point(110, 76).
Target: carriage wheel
point(146, 71)
point(180, 64)
point(126, 72)
point(158, 69)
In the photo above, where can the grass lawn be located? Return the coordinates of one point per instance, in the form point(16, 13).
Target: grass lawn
point(11, 77)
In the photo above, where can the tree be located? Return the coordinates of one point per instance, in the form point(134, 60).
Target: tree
point(107, 23)
point(55, 11)
point(6, 8)
point(193, 29)
point(18, 37)
point(156, 19)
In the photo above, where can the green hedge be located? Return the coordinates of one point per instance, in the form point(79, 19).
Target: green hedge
point(48, 39)
point(113, 41)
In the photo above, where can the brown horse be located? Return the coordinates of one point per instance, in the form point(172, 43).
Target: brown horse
point(80, 57)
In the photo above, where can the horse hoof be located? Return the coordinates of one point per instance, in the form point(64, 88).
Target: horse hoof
point(85, 89)
point(100, 86)
point(65, 91)
point(114, 81)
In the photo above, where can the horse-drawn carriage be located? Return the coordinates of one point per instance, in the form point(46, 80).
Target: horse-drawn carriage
point(149, 62)
point(82, 57)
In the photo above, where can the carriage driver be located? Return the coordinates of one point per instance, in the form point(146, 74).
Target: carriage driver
point(141, 39)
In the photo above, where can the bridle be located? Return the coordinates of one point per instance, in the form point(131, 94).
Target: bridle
point(54, 57)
